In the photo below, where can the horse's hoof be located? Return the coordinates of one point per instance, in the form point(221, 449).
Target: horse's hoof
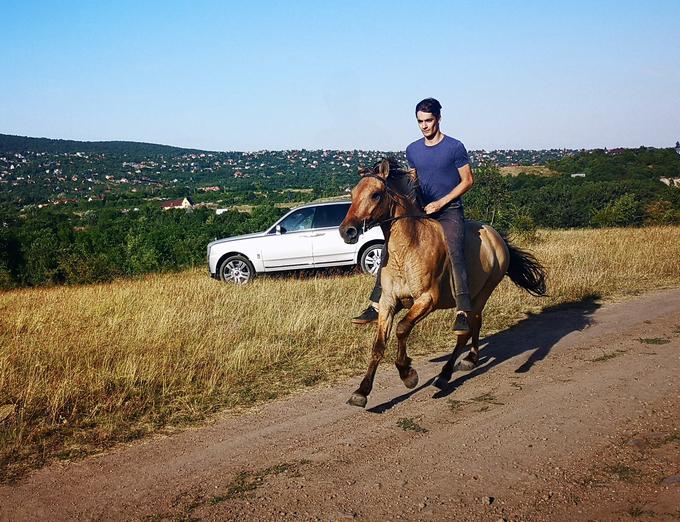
point(357, 400)
point(465, 365)
point(411, 380)
point(440, 382)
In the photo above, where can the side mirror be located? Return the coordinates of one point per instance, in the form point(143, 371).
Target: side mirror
point(280, 230)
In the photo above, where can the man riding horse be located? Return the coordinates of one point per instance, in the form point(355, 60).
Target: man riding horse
point(443, 168)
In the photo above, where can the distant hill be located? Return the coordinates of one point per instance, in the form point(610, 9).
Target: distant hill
point(11, 143)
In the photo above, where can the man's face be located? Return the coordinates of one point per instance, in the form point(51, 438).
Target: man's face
point(428, 123)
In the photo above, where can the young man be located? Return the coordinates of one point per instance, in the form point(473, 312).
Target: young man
point(444, 172)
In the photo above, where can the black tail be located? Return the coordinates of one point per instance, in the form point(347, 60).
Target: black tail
point(525, 271)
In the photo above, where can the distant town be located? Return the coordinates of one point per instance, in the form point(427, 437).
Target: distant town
point(39, 172)
point(41, 177)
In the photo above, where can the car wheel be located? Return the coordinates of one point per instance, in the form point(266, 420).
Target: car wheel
point(237, 269)
point(370, 259)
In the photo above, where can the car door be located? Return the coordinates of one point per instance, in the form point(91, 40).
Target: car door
point(289, 245)
point(327, 244)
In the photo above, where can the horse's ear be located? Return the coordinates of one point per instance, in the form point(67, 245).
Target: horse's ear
point(384, 168)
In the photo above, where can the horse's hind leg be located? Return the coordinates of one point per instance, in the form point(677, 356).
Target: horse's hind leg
point(420, 309)
point(385, 316)
point(468, 362)
point(445, 375)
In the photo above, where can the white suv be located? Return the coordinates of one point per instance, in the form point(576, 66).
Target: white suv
point(306, 237)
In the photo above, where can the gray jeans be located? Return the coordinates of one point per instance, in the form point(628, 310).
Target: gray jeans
point(453, 223)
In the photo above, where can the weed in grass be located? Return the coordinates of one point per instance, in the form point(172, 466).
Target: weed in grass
point(310, 380)
point(623, 472)
point(590, 481)
point(454, 405)
point(608, 356)
point(247, 481)
point(573, 498)
point(408, 424)
point(672, 438)
point(244, 483)
point(654, 340)
point(637, 511)
point(488, 398)
point(668, 439)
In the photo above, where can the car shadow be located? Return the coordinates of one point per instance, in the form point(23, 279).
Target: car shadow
point(313, 273)
point(537, 334)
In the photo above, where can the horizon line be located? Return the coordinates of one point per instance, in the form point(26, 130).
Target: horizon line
point(189, 148)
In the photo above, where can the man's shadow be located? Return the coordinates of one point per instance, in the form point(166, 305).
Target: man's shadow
point(537, 334)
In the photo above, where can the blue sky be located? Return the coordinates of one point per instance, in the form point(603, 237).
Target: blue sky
point(342, 75)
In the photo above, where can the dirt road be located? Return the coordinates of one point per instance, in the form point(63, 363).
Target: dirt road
point(572, 415)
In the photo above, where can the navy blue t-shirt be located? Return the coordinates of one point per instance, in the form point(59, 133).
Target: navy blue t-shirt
point(437, 167)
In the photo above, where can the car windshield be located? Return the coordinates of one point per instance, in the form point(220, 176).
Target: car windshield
point(299, 220)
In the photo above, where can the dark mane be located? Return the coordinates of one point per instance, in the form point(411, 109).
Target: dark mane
point(401, 182)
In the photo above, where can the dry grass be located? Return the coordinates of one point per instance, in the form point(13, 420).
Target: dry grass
point(534, 170)
point(86, 367)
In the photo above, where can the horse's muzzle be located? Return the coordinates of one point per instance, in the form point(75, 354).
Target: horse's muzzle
point(349, 233)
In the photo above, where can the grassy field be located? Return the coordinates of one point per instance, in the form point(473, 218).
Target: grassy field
point(82, 368)
point(535, 170)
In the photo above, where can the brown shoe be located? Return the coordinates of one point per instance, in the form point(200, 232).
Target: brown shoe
point(461, 326)
point(370, 315)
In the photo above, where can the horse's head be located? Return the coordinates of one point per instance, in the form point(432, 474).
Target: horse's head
point(375, 197)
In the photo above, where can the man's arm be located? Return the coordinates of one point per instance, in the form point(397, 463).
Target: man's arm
point(466, 182)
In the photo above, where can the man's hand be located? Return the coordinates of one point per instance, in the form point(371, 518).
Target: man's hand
point(466, 181)
point(433, 208)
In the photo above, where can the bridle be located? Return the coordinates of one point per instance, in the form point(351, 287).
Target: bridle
point(394, 200)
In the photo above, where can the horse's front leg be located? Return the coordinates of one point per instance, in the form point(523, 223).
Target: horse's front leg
point(385, 316)
point(420, 309)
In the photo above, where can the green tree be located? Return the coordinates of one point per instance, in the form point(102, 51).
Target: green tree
point(624, 211)
point(489, 200)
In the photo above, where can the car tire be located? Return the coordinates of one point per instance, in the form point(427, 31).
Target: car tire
point(370, 259)
point(237, 269)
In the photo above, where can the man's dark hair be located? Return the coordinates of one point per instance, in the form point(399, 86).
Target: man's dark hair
point(430, 105)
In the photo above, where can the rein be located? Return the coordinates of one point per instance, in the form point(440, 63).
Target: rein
point(397, 218)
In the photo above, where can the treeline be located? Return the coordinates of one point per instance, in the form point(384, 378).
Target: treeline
point(12, 143)
point(104, 240)
point(51, 246)
point(619, 189)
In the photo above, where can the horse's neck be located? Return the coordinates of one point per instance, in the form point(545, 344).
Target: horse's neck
point(404, 208)
point(402, 228)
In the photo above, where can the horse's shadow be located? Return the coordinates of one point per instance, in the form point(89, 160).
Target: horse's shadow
point(537, 333)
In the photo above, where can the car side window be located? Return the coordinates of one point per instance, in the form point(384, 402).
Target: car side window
point(299, 220)
point(330, 215)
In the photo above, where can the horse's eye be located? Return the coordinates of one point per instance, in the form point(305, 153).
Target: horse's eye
point(376, 196)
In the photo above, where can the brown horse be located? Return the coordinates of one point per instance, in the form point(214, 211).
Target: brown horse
point(417, 272)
